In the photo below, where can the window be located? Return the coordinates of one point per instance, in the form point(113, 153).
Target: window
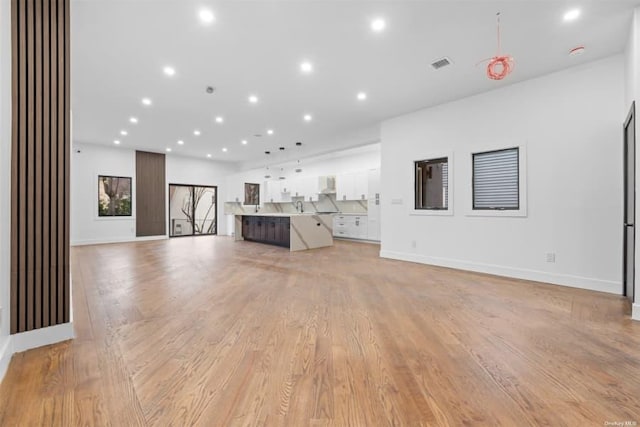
point(192, 210)
point(496, 183)
point(251, 194)
point(432, 184)
point(114, 196)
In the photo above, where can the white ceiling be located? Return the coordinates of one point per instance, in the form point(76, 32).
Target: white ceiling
point(119, 49)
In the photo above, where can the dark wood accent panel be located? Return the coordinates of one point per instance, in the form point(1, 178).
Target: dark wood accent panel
point(150, 194)
point(40, 164)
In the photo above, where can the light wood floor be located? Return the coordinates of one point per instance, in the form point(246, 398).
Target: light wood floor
point(206, 331)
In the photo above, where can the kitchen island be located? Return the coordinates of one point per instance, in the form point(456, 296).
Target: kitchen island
point(296, 231)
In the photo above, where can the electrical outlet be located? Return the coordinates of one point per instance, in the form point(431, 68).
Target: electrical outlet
point(551, 257)
point(413, 244)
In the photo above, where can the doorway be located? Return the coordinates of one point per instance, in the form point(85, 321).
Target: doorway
point(192, 210)
point(629, 204)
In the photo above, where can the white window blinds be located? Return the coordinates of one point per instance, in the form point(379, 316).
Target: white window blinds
point(496, 180)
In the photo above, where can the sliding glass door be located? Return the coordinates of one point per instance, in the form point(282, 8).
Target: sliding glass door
point(192, 210)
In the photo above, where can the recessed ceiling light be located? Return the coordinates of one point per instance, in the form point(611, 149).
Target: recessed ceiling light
point(571, 15)
point(253, 99)
point(307, 117)
point(116, 142)
point(180, 142)
point(168, 150)
point(133, 120)
point(169, 71)
point(196, 132)
point(378, 25)
point(124, 133)
point(244, 142)
point(306, 67)
point(224, 149)
point(206, 16)
point(361, 96)
point(219, 119)
point(270, 131)
point(209, 155)
point(147, 101)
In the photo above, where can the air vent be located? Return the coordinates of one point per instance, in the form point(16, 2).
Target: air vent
point(440, 63)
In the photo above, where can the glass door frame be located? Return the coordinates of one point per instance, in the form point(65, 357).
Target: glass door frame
point(193, 210)
point(629, 223)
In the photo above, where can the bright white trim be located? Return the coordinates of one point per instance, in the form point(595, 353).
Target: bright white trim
point(117, 240)
point(5, 356)
point(522, 179)
point(450, 186)
point(40, 337)
point(609, 286)
point(635, 311)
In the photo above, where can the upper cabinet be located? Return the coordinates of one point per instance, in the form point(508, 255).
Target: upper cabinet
point(235, 191)
point(308, 188)
point(361, 185)
point(352, 186)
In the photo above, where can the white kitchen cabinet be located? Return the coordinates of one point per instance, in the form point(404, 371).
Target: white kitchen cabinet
point(352, 186)
point(374, 183)
point(285, 190)
point(235, 192)
point(361, 185)
point(308, 188)
point(350, 226)
point(288, 186)
point(272, 192)
point(344, 186)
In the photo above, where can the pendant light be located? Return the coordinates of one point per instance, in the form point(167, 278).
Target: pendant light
point(298, 165)
point(282, 167)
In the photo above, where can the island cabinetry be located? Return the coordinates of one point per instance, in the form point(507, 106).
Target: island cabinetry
point(272, 230)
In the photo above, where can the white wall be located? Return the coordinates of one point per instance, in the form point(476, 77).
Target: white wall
point(94, 160)
point(5, 182)
point(87, 162)
point(570, 123)
point(632, 92)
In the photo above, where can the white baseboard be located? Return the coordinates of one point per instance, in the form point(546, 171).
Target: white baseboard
point(635, 311)
point(116, 240)
point(32, 339)
point(6, 351)
point(609, 286)
point(40, 337)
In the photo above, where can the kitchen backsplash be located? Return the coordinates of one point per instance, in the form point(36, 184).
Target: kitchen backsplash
point(326, 203)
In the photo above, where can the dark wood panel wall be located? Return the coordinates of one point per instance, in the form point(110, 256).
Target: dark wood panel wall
point(150, 194)
point(40, 164)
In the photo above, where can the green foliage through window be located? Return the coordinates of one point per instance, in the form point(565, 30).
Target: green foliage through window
point(114, 196)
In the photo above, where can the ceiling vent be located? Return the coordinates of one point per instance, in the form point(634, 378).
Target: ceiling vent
point(441, 63)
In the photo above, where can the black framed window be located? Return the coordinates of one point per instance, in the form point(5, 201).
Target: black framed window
point(114, 196)
point(431, 184)
point(496, 180)
point(192, 210)
point(251, 194)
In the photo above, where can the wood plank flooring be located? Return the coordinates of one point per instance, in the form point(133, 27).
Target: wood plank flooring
point(210, 332)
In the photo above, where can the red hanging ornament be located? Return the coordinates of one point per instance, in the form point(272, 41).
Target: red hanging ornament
point(499, 66)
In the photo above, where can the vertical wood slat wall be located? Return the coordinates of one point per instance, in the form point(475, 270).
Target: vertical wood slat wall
point(40, 164)
point(150, 194)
